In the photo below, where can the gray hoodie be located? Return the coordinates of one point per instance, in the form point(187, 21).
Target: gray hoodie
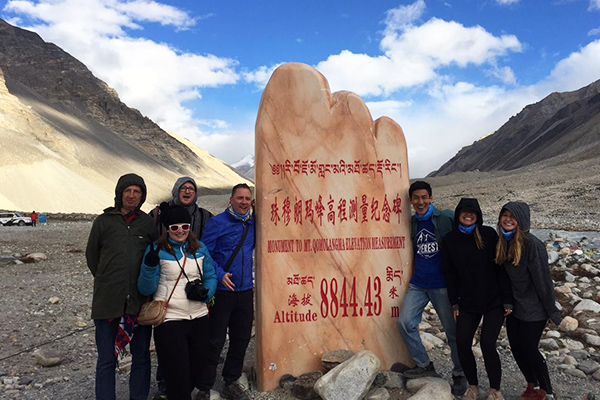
point(198, 215)
point(532, 285)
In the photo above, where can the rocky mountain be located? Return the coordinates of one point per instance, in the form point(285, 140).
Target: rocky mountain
point(562, 128)
point(66, 137)
point(245, 167)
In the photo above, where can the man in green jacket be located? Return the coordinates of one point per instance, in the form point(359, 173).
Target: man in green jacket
point(114, 254)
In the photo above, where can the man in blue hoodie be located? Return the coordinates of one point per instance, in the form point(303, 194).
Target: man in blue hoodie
point(428, 227)
point(229, 237)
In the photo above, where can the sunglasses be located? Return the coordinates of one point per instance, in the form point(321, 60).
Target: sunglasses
point(175, 227)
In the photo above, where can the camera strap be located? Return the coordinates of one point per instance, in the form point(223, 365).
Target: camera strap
point(237, 249)
point(182, 268)
point(199, 270)
point(178, 277)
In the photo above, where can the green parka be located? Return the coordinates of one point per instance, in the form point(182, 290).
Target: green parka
point(114, 254)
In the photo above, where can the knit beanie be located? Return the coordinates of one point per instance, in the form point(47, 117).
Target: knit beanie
point(175, 214)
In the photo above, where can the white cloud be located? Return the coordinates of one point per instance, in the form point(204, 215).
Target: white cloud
point(398, 18)
point(505, 74)
point(465, 112)
point(577, 70)
point(594, 32)
point(507, 2)
point(260, 76)
point(415, 55)
point(594, 5)
point(230, 146)
point(387, 107)
point(152, 11)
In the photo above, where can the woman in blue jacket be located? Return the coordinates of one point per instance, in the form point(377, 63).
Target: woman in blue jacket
point(180, 270)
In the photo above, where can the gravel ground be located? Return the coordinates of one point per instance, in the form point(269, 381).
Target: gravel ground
point(31, 320)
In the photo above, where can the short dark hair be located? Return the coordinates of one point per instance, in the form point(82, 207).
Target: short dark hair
point(240, 186)
point(418, 185)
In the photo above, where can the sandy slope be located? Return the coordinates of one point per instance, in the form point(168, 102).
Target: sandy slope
point(53, 162)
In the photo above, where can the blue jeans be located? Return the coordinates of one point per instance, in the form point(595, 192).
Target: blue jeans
point(414, 303)
point(139, 378)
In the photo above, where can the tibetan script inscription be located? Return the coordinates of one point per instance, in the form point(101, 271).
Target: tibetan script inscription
point(333, 232)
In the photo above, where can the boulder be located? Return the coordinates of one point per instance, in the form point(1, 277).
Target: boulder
point(332, 359)
point(587, 305)
point(351, 380)
point(429, 388)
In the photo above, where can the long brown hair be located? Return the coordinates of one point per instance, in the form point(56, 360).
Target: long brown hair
point(192, 241)
point(510, 250)
point(478, 239)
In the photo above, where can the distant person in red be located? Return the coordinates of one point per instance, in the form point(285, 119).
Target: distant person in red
point(34, 218)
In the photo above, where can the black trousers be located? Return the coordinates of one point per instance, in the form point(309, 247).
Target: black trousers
point(466, 326)
point(182, 348)
point(524, 338)
point(233, 312)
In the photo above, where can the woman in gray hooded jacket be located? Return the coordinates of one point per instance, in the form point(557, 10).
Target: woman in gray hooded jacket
point(525, 259)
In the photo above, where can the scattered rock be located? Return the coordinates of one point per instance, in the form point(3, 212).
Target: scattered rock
point(303, 387)
point(286, 381)
point(588, 366)
point(568, 324)
point(377, 394)
point(48, 358)
point(587, 305)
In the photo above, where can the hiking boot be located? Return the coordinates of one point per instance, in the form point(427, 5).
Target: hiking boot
point(161, 392)
point(459, 384)
point(495, 395)
point(234, 391)
point(472, 393)
point(420, 372)
point(538, 394)
point(201, 395)
point(589, 396)
point(528, 393)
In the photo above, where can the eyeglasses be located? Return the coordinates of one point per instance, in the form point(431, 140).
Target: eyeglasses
point(187, 189)
point(175, 227)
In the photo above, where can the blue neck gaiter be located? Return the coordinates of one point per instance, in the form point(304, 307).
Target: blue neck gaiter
point(427, 215)
point(508, 234)
point(466, 229)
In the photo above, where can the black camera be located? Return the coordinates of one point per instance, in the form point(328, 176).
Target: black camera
point(195, 290)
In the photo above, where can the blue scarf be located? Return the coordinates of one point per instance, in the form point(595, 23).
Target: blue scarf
point(427, 215)
point(244, 217)
point(508, 234)
point(466, 229)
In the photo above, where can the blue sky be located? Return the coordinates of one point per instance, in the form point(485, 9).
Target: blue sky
point(449, 72)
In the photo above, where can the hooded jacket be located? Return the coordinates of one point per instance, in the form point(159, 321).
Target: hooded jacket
point(198, 214)
point(532, 285)
point(475, 282)
point(114, 253)
point(222, 234)
point(160, 280)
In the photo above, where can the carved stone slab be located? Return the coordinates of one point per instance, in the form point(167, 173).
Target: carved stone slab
point(333, 227)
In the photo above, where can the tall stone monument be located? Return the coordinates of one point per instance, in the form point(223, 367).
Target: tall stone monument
point(333, 227)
